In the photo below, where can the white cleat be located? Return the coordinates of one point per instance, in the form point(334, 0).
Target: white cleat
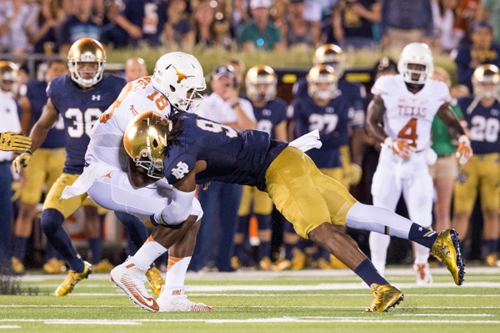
point(130, 277)
point(423, 274)
point(174, 300)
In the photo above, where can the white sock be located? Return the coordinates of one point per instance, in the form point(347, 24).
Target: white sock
point(381, 220)
point(148, 252)
point(421, 254)
point(378, 250)
point(176, 272)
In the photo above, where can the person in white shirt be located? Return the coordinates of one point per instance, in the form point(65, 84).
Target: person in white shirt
point(225, 107)
point(407, 104)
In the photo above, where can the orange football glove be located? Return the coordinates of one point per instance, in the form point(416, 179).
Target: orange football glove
point(464, 151)
point(402, 148)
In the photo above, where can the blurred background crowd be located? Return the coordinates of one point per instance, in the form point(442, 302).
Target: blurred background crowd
point(235, 232)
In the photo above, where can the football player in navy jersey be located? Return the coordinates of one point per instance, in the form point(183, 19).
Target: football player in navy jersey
point(335, 116)
point(47, 166)
point(79, 97)
point(482, 173)
point(197, 150)
point(270, 112)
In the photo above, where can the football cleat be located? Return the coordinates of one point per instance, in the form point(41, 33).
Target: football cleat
point(423, 274)
point(103, 266)
point(155, 280)
point(131, 278)
point(72, 279)
point(282, 265)
point(174, 300)
point(235, 263)
point(299, 259)
point(384, 297)
point(322, 263)
point(54, 266)
point(446, 248)
point(491, 260)
point(265, 264)
point(17, 266)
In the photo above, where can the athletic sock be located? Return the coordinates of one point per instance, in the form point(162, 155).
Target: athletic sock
point(289, 251)
point(20, 244)
point(148, 252)
point(422, 236)
point(95, 246)
point(264, 250)
point(176, 271)
point(369, 274)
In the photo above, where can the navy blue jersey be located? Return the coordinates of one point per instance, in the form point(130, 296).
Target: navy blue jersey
point(270, 115)
point(80, 110)
point(332, 121)
point(463, 59)
point(37, 95)
point(232, 157)
point(484, 125)
point(353, 91)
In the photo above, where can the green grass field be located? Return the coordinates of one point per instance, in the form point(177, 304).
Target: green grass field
point(304, 301)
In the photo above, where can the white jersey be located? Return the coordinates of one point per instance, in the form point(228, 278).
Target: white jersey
point(137, 97)
point(408, 115)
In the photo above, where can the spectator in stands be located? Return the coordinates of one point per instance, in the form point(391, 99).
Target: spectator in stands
point(143, 20)
point(406, 21)
point(260, 32)
point(482, 51)
point(239, 69)
point(79, 25)
point(240, 13)
point(178, 32)
point(43, 37)
point(466, 17)
point(204, 25)
point(353, 21)
point(135, 68)
point(17, 19)
point(296, 30)
point(223, 106)
point(490, 11)
point(446, 36)
point(111, 32)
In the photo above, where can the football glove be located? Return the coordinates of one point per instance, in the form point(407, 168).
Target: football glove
point(14, 141)
point(402, 148)
point(354, 172)
point(22, 161)
point(464, 150)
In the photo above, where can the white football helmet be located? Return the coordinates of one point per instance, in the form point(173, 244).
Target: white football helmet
point(179, 76)
point(83, 51)
point(416, 53)
point(322, 74)
point(261, 75)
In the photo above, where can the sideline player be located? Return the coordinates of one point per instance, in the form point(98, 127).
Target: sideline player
point(270, 112)
point(198, 150)
point(482, 113)
point(46, 167)
point(177, 79)
point(407, 104)
point(79, 97)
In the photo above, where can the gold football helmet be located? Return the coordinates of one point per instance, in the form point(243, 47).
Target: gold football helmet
point(86, 59)
point(486, 81)
point(261, 83)
point(330, 54)
point(145, 138)
point(9, 78)
point(316, 77)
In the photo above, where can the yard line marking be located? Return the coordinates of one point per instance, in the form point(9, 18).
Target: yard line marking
point(444, 315)
point(298, 320)
point(9, 326)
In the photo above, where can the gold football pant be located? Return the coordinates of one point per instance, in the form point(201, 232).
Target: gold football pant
point(305, 196)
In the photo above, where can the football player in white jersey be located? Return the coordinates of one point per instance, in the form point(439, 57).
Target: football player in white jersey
point(406, 104)
point(112, 183)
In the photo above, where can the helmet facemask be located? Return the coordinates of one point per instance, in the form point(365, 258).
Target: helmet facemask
point(320, 76)
point(86, 59)
point(416, 63)
point(261, 84)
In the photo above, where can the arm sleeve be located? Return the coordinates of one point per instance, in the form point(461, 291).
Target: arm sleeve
point(178, 210)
